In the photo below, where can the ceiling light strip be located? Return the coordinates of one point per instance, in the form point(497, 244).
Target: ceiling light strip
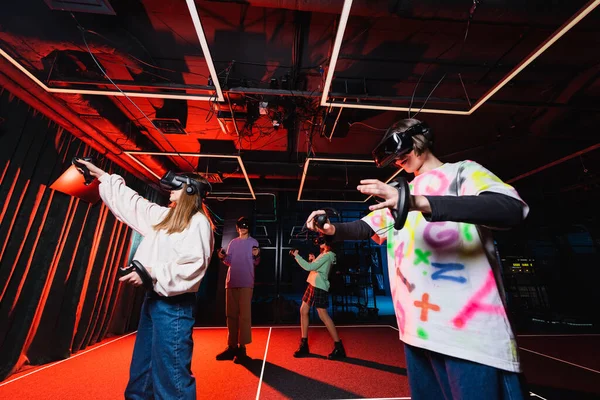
point(131, 154)
point(131, 94)
point(331, 70)
point(395, 108)
point(204, 44)
point(340, 160)
point(246, 176)
point(141, 164)
point(589, 7)
point(22, 69)
point(539, 50)
point(99, 92)
point(554, 163)
point(335, 53)
point(336, 121)
point(304, 172)
point(158, 153)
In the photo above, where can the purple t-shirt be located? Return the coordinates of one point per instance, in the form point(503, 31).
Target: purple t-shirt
point(241, 263)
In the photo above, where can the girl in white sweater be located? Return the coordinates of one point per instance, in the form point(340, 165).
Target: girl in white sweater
point(175, 252)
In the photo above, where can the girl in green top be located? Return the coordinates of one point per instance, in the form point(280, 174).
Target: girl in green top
point(317, 293)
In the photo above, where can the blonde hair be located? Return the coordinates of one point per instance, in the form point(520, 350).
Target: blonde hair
point(178, 218)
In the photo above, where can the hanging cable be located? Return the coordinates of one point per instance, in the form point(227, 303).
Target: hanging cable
point(83, 30)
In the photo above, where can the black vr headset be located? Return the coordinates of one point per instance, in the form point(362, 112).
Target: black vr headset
point(395, 145)
point(173, 181)
point(243, 223)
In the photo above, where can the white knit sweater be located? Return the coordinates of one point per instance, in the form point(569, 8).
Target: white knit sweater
point(177, 262)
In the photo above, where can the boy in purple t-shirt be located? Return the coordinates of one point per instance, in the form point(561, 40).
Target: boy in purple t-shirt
point(243, 254)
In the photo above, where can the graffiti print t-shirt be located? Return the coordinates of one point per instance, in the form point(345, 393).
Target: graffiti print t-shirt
point(445, 276)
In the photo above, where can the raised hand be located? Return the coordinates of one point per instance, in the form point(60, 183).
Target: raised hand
point(377, 188)
point(94, 171)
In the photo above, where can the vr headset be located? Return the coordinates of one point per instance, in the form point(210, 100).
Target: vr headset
point(173, 181)
point(395, 145)
point(243, 223)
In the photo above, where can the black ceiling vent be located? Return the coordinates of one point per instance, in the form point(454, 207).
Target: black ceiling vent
point(84, 6)
point(169, 126)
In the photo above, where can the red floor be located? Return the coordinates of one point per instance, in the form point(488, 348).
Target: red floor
point(556, 367)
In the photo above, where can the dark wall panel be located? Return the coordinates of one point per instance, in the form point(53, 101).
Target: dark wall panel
point(59, 255)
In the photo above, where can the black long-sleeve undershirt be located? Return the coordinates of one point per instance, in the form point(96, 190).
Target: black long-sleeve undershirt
point(490, 209)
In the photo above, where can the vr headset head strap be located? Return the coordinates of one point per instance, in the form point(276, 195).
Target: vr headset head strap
point(398, 141)
point(174, 181)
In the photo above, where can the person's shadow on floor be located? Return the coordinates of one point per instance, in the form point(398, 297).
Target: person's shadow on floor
point(293, 385)
point(375, 365)
point(364, 363)
point(297, 386)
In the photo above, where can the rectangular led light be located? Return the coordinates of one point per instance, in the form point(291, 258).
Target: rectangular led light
point(156, 95)
point(204, 44)
point(334, 160)
point(335, 53)
point(228, 195)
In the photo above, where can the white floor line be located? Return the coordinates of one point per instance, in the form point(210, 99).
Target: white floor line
point(66, 359)
point(387, 326)
point(558, 359)
point(337, 326)
point(298, 326)
point(565, 335)
point(224, 327)
point(531, 394)
point(262, 371)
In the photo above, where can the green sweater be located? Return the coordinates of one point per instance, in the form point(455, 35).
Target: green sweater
point(319, 269)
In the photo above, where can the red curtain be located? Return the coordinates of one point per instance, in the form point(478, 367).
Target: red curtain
point(59, 255)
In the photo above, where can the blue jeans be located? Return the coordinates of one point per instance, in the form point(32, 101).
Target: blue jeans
point(162, 356)
point(436, 376)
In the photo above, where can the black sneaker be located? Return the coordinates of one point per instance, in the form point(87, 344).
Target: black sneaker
point(338, 351)
point(302, 349)
point(228, 354)
point(241, 355)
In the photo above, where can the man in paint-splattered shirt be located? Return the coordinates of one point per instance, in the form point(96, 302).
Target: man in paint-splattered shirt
point(443, 270)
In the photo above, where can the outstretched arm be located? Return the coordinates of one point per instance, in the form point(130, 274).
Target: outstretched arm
point(490, 209)
point(311, 266)
point(127, 206)
point(494, 205)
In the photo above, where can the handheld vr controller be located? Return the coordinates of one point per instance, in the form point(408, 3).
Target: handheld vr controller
point(401, 212)
point(173, 181)
point(87, 177)
point(321, 219)
point(137, 266)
